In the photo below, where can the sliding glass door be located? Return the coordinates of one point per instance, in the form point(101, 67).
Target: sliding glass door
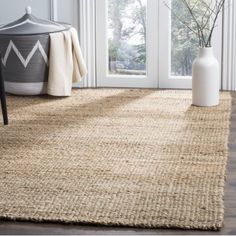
point(141, 44)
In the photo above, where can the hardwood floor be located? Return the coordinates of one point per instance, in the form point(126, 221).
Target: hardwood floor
point(24, 228)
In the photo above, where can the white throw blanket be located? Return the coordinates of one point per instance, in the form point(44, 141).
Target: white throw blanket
point(66, 63)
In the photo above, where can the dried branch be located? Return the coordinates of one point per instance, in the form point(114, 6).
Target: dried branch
point(181, 21)
point(220, 7)
point(206, 25)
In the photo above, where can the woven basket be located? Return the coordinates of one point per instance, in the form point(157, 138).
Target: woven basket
point(24, 46)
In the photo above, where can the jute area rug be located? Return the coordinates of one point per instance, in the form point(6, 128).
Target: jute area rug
point(140, 158)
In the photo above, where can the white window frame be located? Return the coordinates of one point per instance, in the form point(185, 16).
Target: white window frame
point(104, 79)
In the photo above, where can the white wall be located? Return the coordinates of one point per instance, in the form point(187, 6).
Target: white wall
point(229, 47)
point(13, 9)
point(68, 11)
point(61, 10)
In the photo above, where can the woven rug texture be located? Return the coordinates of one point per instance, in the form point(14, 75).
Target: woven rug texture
point(140, 158)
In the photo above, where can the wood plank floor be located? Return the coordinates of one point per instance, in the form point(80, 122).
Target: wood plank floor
point(24, 228)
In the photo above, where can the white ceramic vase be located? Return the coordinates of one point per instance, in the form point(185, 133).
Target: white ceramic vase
point(206, 76)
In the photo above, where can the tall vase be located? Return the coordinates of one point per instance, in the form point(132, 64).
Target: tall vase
point(206, 79)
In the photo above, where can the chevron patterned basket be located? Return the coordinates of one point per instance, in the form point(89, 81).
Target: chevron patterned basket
point(24, 46)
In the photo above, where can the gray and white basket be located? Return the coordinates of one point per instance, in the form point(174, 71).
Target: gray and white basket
point(25, 48)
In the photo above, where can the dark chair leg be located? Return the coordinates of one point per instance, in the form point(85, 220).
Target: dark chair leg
point(3, 97)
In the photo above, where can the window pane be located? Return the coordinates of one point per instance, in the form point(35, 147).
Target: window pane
point(127, 37)
point(184, 44)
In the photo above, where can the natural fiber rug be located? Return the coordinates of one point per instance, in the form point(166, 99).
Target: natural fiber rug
point(142, 158)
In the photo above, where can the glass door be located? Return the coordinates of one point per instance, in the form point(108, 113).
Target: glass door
point(127, 49)
point(142, 44)
point(178, 46)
